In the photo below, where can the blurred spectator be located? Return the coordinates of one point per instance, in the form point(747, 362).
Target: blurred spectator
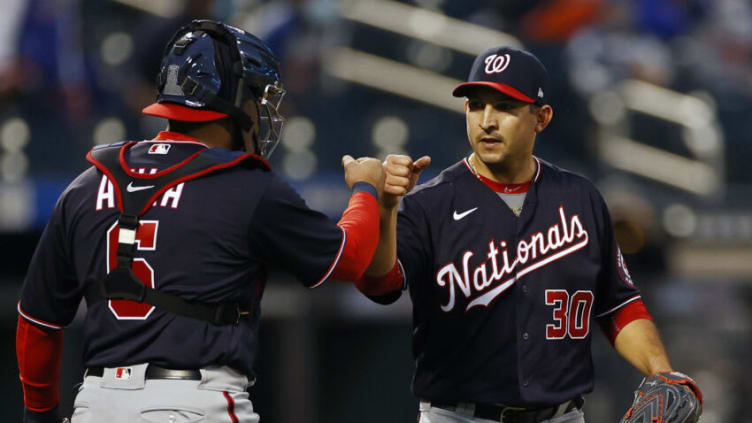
point(719, 53)
point(298, 31)
point(613, 50)
point(717, 58)
point(10, 70)
point(52, 58)
point(52, 84)
point(668, 18)
point(555, 21)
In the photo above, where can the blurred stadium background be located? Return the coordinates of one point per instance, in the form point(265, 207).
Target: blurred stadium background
point(652, 101)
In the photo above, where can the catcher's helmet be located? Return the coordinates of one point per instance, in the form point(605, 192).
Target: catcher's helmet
point(210, 69)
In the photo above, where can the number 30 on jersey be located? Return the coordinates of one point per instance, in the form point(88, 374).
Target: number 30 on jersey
point(571, 314)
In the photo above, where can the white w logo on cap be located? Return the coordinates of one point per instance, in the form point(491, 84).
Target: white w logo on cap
point(496, 64)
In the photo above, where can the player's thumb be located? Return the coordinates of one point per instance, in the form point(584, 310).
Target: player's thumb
point(421, 164)
point(346, 160)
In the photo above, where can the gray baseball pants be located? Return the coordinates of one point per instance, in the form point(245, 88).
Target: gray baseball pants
point(219, 397)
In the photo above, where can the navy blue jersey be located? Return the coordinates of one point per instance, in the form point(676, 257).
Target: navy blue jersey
point(503, 305)
point(210, 239)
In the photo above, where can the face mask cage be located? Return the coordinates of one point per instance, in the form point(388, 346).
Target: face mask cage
point(270, 120)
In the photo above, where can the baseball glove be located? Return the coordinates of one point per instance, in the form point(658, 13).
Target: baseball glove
point(666, 397)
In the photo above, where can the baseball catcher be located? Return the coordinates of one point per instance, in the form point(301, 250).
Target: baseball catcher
point(169, 242)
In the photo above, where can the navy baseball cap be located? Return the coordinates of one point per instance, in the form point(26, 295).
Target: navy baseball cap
point(516, 73)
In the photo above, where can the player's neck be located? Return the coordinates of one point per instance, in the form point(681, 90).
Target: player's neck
point(211, 133)
point(509, 173)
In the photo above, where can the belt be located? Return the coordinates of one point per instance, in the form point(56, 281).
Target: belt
point(507, 414)
point(155, 372)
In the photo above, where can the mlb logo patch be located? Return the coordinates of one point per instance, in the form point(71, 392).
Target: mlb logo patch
point(159, 149)
point(123, 373)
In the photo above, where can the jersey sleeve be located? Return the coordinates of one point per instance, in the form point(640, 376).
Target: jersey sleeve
point(615, 286)
point(413, 239)
point(360, 221)
point(301, 241)
point(611, 324)
point(384, 289)
point(39, 352)
point(50, 293)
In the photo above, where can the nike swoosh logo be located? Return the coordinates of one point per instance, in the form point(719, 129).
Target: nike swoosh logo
point(131, 188)
point(458, 216)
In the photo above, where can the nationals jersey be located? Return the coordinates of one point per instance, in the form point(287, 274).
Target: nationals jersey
point(208, 240)
point(503, 304)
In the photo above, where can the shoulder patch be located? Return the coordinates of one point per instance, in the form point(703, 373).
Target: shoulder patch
point(621, 266)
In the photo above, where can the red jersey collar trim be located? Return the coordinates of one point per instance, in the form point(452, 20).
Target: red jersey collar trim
point(175, 136)
point(506, 188)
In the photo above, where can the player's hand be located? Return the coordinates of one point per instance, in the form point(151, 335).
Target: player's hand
point(401, 175)
point(364, 169)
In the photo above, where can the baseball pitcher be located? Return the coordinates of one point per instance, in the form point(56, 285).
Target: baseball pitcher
point(509, 261)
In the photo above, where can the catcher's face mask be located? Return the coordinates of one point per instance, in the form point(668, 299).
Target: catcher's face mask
point(270, 120)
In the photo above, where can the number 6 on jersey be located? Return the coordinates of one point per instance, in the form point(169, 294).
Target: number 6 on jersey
point(146, 240)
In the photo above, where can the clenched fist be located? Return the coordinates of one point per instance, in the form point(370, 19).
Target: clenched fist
point(401, 175)
point(364, 169)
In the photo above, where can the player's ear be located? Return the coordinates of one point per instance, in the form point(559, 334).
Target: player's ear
point(544, 114)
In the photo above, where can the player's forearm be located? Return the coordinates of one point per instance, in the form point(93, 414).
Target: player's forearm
point(360, 222)
point(386, 251)
point(639, 343)
point(39, 352)
point(383, 279)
